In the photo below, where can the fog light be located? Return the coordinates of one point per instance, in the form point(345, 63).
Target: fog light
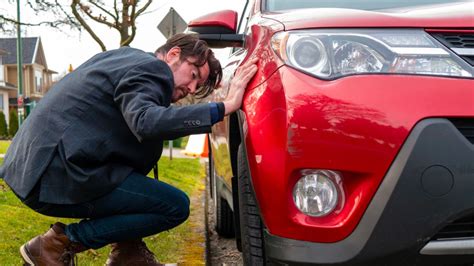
point(317, 193)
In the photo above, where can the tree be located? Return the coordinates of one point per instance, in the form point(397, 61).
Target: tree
point(80, 14)
point(13, 124)
point(60, 16)
point(3, 126)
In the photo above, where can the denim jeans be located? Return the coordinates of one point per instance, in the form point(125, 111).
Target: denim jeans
point(139, 207)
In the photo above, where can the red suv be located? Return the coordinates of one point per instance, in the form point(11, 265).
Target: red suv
point(355, 142)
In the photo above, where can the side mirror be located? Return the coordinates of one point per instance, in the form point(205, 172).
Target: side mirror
point(218, 29)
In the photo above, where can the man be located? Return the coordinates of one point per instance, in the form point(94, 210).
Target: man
point(85, 150)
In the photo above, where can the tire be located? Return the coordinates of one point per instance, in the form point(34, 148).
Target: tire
point(224, 218)
point(251, 226)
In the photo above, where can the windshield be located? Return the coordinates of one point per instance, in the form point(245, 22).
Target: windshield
point(274, 5)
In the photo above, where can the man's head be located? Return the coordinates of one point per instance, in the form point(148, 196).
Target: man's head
point(195, 69)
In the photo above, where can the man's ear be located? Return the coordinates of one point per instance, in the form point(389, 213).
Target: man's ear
point(173, 55)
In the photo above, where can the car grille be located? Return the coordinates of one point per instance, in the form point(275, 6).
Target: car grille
point(461, 228)
point(465, 126)
point(461, 43)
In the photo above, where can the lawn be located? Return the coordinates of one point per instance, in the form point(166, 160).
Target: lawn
point(4, 146)
point(184, 244)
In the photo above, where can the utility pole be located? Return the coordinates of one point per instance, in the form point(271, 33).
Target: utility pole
point(19, 59)
point(171, 24)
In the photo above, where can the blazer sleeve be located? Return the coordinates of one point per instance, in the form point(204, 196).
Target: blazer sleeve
point(143, 96)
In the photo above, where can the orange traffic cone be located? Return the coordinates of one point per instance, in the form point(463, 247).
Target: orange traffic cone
point(197, 146)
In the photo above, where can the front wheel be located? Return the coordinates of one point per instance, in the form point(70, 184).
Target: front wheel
point(253, 251)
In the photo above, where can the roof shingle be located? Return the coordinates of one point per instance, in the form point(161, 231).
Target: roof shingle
point(9, 45)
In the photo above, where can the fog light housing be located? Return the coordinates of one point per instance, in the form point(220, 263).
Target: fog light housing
point(318, 193)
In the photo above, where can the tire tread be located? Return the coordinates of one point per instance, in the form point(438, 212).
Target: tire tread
point(251, 224)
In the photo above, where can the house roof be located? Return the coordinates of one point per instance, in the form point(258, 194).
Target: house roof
point(30, 47)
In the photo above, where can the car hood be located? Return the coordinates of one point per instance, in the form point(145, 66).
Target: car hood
point(453, 15)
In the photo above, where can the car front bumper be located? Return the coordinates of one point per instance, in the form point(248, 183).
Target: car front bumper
point(429, 185)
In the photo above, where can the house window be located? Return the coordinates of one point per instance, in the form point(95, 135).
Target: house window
point(1, 102)
point(2, 73)
point(38, 81)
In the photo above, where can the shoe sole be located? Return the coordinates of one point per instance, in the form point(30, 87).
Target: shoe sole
point(26, 256)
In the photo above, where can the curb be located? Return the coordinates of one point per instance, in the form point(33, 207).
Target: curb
point(207, 253)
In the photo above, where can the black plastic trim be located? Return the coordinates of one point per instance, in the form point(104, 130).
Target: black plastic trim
point(211, 30)
point(215, 40)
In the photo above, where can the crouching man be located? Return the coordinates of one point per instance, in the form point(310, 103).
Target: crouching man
point(86, 148)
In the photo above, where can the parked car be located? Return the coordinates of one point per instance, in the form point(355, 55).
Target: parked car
point(355, 141)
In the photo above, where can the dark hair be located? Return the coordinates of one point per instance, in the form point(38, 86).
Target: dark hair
point(192, 46)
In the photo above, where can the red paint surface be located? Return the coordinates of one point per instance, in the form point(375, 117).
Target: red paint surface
point(355, 125)
point(225, 18)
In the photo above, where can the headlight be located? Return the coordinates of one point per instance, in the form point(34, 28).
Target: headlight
point(318, 192)
point(331, 54)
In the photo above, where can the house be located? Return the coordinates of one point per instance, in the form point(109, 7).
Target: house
point(37, 78)
point(5, 88)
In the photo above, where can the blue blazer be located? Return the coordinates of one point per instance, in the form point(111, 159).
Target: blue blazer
point(102, 121)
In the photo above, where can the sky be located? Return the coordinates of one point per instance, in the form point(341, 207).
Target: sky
point(72, 47)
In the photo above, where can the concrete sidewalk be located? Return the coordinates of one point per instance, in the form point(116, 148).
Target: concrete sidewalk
point(176, 153)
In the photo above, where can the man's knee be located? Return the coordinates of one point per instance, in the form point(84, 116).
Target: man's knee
point(173, 206)
point(181, 213)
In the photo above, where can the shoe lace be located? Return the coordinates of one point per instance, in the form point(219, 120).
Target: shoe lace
point(69, 258)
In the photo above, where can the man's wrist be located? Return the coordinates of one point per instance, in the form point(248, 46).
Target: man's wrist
point(228, 107)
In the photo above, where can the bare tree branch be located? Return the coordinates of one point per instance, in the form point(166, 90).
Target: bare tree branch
point(99, 19)
point(62, 13)
point(128, 40)
point(116, 11)
point(140, 11)
point(86, 26)
point(68, 17)
point(53, 24)
point(104, 10)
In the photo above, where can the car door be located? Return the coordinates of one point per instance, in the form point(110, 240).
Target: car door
point(219, 138)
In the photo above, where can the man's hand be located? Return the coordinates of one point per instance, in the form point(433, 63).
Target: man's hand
point(239, 82)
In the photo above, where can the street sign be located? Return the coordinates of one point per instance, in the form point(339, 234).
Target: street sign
point(20, 100)
point(172, 23)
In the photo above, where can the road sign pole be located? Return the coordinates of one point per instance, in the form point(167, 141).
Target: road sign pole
point(171, 24)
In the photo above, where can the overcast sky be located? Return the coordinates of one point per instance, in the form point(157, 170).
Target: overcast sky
point(62, 49)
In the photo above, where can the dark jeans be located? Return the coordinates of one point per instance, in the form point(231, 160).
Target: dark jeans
point(139, 207)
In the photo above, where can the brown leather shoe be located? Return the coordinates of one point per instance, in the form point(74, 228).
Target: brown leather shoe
point(52, 248)
point(129, 253)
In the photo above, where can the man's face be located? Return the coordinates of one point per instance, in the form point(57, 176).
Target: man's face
point(187, 76)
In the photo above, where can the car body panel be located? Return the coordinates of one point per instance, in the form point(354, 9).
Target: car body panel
point(352, 125)
point(220, 137)
point(457, 15)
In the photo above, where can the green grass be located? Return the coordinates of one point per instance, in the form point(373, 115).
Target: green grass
point(4, 146)
point(183, 244)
